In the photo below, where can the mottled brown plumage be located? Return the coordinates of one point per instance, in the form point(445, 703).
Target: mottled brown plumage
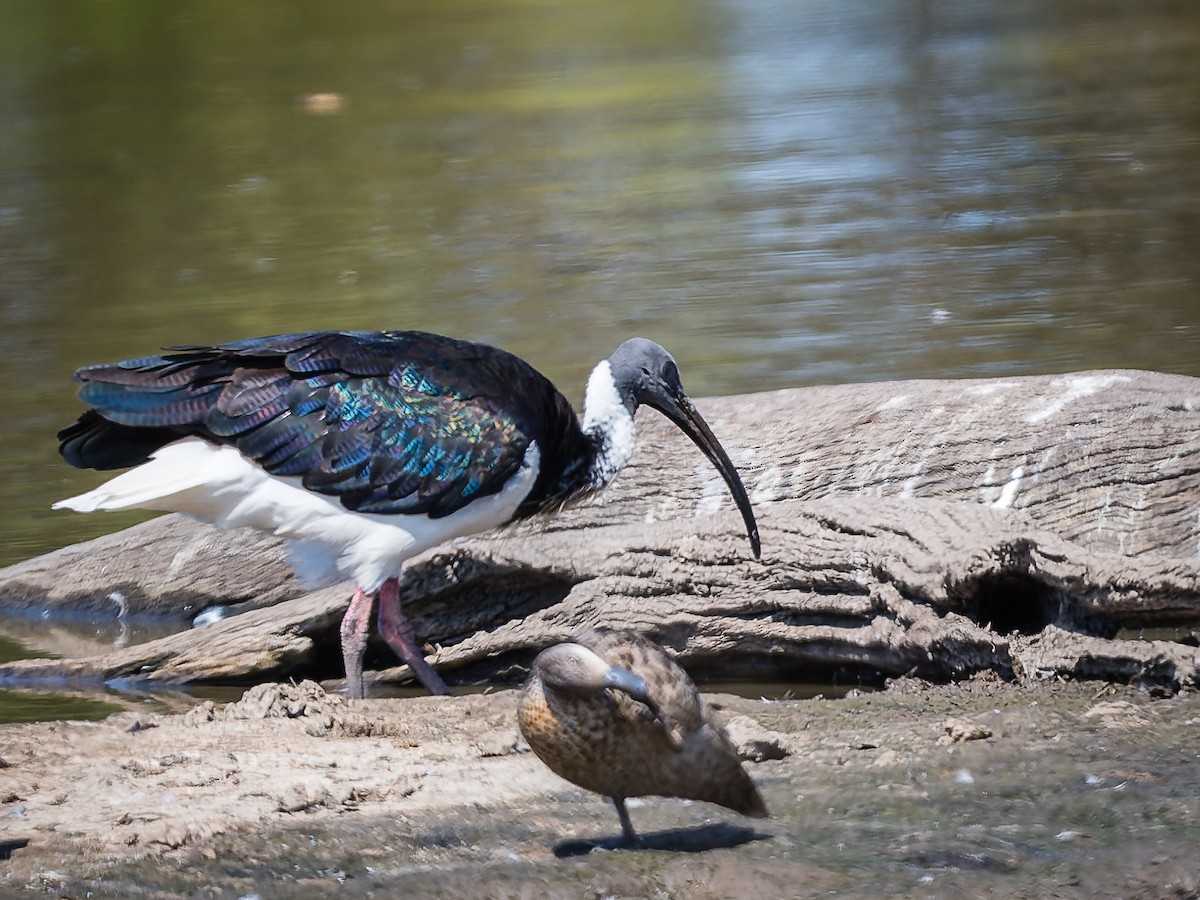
point(613, 713)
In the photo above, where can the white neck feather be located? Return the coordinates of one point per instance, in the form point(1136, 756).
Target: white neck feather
point(608, 422)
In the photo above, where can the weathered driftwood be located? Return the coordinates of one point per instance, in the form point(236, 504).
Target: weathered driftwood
point(170, 566)
point(931, 527)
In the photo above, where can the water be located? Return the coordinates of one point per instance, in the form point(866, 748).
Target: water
point(781, 192)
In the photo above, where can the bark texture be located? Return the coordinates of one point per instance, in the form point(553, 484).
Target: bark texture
point(170, 566)
point(928, 527)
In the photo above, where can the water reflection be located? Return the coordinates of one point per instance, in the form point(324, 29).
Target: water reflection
point(35, 706)
point(781, 193)
point(91, 701)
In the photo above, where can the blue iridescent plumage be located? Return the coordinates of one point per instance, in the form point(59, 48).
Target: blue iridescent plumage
point(388, 422)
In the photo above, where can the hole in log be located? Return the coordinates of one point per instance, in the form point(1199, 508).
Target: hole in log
point(486, 602)
point(1010, 602)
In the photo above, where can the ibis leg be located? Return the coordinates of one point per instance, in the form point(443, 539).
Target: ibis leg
point(398, 632)
point(354, 640)
point(628, 836)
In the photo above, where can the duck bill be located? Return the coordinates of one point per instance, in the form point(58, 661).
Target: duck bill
point(625, 681)
point(679, 409)
point(628, 683)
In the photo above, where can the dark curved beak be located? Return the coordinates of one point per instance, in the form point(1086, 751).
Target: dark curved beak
point(679, 409)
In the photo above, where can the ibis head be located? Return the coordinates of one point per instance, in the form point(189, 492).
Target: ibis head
point(645, 373)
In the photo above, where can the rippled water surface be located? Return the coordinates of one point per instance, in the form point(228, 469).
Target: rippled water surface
point(782, 192)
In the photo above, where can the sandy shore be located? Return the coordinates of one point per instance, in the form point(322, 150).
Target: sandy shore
point(976, 789)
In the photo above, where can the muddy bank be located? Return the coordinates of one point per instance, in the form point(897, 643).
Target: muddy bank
point(974, 789)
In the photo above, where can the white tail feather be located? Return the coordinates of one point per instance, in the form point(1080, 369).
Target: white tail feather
point(172, 470)
point(219, 485)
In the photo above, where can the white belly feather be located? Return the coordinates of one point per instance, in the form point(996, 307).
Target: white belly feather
point(220, 485)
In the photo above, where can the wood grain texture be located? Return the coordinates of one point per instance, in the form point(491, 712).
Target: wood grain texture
point(933, 527)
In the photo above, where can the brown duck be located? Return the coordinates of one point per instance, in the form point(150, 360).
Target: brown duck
point(613, 713)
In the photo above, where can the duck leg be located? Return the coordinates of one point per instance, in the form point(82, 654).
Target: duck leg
point(629, 837)
point(355, 624)
point(398, 632)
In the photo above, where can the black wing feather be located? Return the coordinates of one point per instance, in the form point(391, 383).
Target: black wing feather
point(389, 422)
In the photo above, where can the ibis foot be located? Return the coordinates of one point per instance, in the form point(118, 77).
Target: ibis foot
point(355, 624)
point(398, 632)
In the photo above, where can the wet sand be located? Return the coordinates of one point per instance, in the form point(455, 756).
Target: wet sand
point(976, 789)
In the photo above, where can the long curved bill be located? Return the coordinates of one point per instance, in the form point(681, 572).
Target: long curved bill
point(681, 411)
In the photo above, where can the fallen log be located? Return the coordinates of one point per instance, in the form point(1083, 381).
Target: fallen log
point(925, 527)
point(171, 566)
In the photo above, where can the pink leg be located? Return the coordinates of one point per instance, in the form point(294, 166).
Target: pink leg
point(355, 624)
point(398, 632)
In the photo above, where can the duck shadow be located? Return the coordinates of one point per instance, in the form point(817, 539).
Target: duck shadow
point(9, 847)
point(697, 839)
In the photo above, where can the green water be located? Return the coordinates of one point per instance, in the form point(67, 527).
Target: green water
point(781, 192)
point(34, 706)
point(37, 706)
